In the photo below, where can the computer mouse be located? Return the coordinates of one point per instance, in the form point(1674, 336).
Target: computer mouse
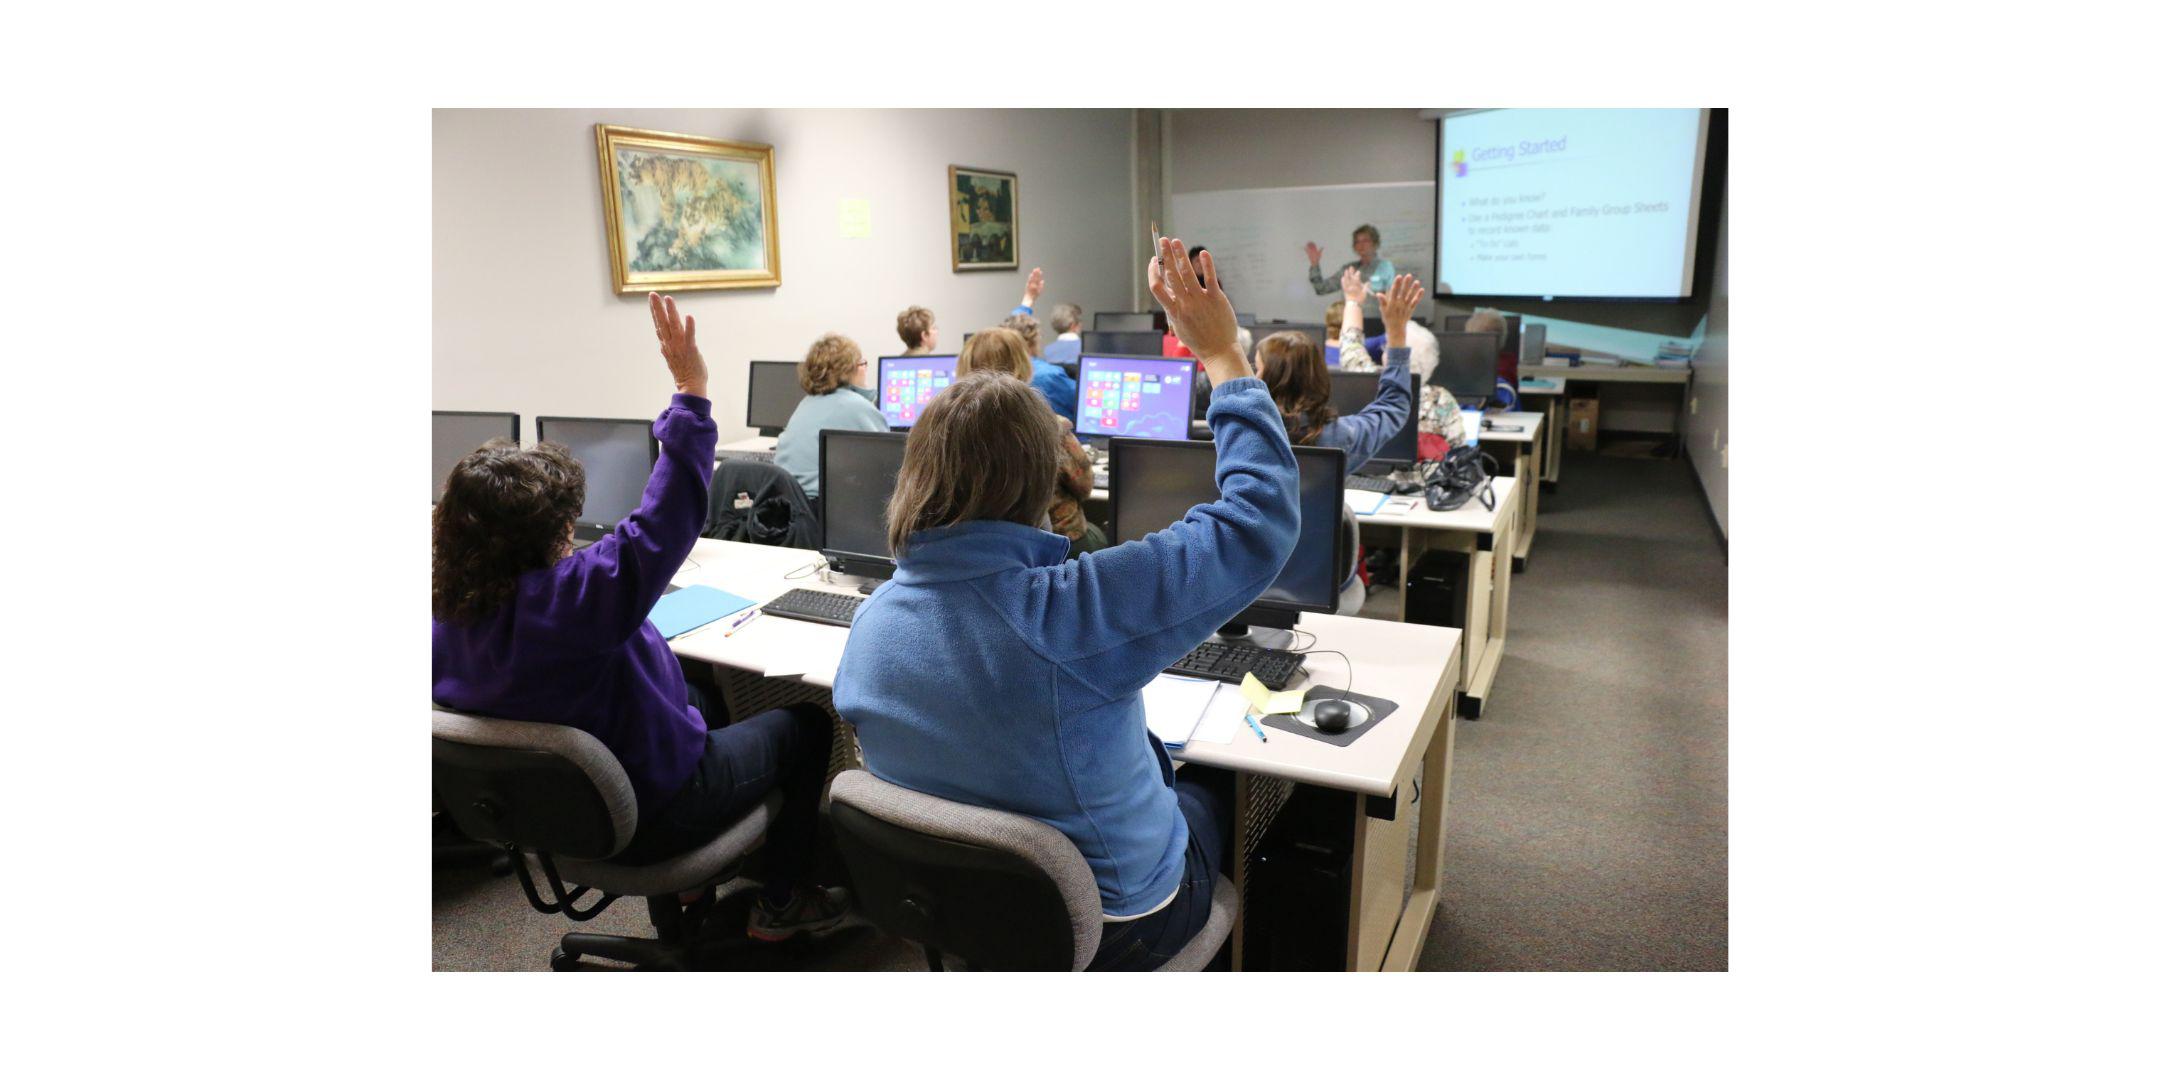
point(1332, 716)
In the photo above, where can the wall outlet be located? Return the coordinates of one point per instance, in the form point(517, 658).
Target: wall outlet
point(1694, 405)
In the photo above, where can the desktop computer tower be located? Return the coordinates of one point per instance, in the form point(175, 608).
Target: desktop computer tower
point(1439, 590)
point(1297, 894)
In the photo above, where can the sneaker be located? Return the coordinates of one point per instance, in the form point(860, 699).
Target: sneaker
point(812, 909)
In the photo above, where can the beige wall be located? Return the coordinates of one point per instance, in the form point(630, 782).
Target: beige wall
point(526, 319)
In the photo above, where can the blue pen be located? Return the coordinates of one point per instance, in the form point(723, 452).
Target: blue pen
point(1255, 726)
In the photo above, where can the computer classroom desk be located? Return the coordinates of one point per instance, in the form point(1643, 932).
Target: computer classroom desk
point(1620, 373)
point(1548, 395)
point(753, 443)
point(1480, 534)
point(1520, 454)
point(1385, 795)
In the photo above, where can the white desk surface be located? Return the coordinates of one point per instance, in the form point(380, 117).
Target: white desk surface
point(1554, 384)
point(1529, 422)
point(754, 442)
point(1607, 373)
point(1469, 517)
point(1406, 663)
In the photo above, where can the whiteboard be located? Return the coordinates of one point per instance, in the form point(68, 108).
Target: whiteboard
point(1258, 236)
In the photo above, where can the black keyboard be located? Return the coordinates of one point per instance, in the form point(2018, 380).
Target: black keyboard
point(1229, 661)
point(1355, 482)
point(833, 609)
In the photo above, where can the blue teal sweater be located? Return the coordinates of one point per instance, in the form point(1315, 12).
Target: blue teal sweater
point(849, 409)
point(573, 645)
point(993, 672)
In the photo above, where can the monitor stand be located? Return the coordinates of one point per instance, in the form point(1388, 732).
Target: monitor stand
point(1264, 637)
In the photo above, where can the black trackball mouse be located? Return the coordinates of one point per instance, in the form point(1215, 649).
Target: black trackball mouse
point(1332, 716)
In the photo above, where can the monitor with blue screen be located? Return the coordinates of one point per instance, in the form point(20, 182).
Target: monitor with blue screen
point(907, 383)
point(1136, 396)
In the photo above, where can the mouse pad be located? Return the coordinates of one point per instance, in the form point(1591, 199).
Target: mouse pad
point(1381, 708)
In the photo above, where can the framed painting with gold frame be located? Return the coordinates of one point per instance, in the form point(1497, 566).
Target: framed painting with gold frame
point(685, 212)
point(984, 205)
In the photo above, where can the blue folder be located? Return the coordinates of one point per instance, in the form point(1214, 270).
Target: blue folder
point(686, 609)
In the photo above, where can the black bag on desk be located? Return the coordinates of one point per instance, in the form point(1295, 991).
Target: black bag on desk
point(1452, 480)
point(758, 502)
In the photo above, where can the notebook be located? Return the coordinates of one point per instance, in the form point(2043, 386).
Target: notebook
point(1174, 705)
point(688, 608)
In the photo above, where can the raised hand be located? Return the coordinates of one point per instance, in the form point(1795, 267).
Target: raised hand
point(1034, 286)
point(678, 344)
point(1353, 287)
point(1200, 315)
point(1312, 252)
point(1396, 304)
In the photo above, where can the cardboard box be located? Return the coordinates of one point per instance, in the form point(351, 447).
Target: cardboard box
point(1582, 423)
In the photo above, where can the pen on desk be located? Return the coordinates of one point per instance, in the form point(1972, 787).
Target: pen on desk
point(1255, 725)
point(739, 623)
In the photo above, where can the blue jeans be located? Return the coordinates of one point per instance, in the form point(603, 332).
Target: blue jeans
point(781, 748)
point(1148, 943)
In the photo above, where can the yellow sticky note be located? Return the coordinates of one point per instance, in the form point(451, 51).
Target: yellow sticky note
point(854, 218)
point(1267, 702)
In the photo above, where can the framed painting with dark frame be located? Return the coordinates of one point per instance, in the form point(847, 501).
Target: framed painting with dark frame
point(686, 212)
point(985, 208)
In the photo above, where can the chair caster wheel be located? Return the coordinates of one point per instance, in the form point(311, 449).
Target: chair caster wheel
point(562, 961)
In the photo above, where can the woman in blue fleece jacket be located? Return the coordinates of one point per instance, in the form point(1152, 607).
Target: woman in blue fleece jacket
point(993, 672)
point(526, 629)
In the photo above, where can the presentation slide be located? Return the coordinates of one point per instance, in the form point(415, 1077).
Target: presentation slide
point(1570, 202)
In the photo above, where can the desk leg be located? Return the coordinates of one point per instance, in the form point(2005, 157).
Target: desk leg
point(1529, 461)
point(1555, 437)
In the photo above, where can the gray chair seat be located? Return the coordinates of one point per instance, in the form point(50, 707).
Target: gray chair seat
point(690, 870)
point(997, 889)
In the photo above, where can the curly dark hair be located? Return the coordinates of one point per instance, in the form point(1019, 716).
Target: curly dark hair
point(504, 511)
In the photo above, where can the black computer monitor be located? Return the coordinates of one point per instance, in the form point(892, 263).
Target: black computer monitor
point(1154, 483)
point(1454, 322)
point(1533, 345)
point(1131, 320)
point(1350, 391)
point(1122, 343)
point(1469, 363)
point(618, 456)
point(857, 471)
point(907, 383)
point(1146, 397)
point(460, 433)
point(1314, 332)
point(775, 390)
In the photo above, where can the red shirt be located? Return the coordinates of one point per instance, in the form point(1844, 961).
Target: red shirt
point(1171, 346)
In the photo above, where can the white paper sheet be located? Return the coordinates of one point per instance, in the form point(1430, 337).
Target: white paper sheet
point(1223, 717)
point(1174, 705)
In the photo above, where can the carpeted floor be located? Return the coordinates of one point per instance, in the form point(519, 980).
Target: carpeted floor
point(1588, 824)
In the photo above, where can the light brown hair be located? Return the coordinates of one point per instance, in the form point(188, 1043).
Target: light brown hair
point(995, 349)
point(829, 364)
point(1366, 230)
point(1029, 330)
point(984, 449)
point(1296, 374)
point(914, 323)
point(503, 511)
point(1334, 318)
point(1487, 320)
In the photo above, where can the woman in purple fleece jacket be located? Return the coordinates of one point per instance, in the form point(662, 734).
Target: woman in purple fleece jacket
point(527, 629)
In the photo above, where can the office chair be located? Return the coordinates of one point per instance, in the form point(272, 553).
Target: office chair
point(555, 792)
point(1002, 891)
